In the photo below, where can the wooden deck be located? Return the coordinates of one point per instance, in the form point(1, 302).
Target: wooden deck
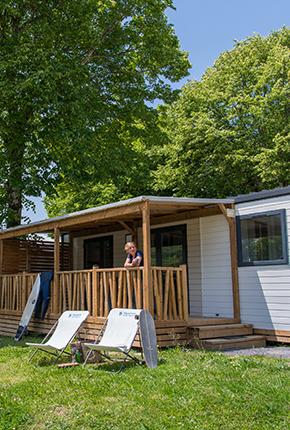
point(169, 333)
point(98, 291)
point(201, 333)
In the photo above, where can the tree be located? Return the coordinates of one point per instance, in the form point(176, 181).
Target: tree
point(229, 133)
point(127, 172)
point(75, 75)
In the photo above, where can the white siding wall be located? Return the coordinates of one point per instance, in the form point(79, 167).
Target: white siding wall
point(265, 290)
point(217, 298)
point(194, 267)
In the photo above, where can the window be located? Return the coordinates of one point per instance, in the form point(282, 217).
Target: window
point(98, 252)
point(128, 238)
point(262, 238)
point(168, 246)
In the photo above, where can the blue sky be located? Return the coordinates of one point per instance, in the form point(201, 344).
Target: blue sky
point(208, 27)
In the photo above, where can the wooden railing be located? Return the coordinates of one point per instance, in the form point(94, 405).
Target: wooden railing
point(15, 290)
point(100, 290)
point(170, 293)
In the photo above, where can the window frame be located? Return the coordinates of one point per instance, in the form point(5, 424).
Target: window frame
point(167, 229)
point(282, 213)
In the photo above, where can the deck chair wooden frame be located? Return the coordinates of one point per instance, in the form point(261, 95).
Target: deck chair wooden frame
point(113, 336)
point(61, 334)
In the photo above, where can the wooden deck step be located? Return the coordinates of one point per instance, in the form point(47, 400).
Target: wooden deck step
point(198, 321)
point(231, 342)
point(215, 331)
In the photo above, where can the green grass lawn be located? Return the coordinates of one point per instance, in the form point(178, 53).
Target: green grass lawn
point(189, 390)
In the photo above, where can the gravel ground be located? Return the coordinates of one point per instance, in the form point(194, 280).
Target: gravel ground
point(269, 351)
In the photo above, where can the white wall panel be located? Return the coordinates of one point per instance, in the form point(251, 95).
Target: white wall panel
point(265, 290)
point(217, 298)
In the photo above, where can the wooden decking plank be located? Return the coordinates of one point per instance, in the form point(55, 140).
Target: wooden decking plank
point(235, 339)
point(200, 321)
point(207, 332)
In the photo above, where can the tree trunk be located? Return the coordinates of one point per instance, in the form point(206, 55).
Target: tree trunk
point(14, 183)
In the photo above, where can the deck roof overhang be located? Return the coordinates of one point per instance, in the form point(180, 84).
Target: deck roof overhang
point(114, 215)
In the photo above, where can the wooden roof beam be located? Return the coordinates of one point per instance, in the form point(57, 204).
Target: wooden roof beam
point(127, 227)
point(182, 216)
point(76, 220)
point(229, 213)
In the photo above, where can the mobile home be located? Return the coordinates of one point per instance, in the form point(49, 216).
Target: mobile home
point(194, 280)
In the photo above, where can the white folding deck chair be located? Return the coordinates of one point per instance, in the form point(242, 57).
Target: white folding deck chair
point(63, 332)
point(117, 334)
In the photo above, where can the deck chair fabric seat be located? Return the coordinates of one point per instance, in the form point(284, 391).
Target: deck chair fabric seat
point(118, 333)
point(42, 347)
point(98, 347)
point(64, 331)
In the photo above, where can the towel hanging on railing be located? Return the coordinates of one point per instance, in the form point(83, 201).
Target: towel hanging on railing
point(44, 295)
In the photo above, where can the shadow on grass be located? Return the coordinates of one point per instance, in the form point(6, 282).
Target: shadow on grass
point(104, 365)
point(112, 367)
point(115, 367)
point(6, 341)
point(47, 361)
point(9, 341)
point(44, 360)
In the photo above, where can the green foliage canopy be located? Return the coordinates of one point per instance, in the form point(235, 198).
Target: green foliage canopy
point(76, 77)
point(125, 172)
point(230, 132)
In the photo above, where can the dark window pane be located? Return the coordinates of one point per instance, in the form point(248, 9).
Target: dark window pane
point(153, 249)
point(261, 238)
point(172, 248)
point(107, 253)
point(168, 246)
point(98, 251)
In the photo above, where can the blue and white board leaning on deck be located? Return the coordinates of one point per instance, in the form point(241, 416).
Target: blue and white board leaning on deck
point(28, 310)
point(148, 339)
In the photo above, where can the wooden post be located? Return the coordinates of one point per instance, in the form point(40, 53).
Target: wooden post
point(27, 256)
point(147, 285)
point(62, 252)
point(184, 290)
point(71, 252)
point(56, 270)
point(23, 291)
point(234, 261)
point(1, 256)
point(1, 262)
